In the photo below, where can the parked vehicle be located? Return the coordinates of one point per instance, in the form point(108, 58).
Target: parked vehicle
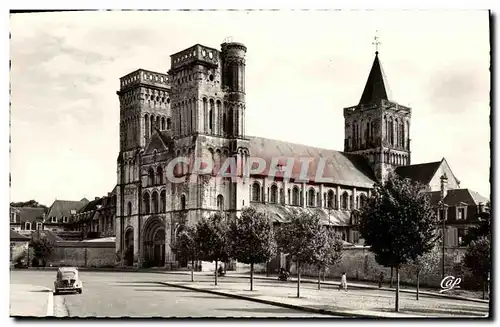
point(68, 280)
point(21, 263)
point(283, 275)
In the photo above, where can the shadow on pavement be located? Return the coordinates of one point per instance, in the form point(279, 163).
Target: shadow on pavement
point(40, 291)
point(271, 310)
point(204, 297)
point(157, 290)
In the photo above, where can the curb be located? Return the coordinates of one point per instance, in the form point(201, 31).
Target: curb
point(280, 304)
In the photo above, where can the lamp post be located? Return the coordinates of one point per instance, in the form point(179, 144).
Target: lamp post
point(443, 213)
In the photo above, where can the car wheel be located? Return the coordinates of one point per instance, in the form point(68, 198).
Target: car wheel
point(79, 291)
point(56, 292)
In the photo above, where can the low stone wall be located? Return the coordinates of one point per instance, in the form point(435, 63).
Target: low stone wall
point(81, 254)
point(359, 264)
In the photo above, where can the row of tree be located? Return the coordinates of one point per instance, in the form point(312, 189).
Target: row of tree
point(252, 239)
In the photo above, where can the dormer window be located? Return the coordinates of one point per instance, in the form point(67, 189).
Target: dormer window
point(53, 220)
point(12, 217)
point(65, 220)
point(39, 226)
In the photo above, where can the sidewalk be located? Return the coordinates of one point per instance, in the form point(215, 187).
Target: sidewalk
point(30, 301)
point(356, 303)
point(352, 285)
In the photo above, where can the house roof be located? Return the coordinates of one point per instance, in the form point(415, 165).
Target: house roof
point(422, 173)
point(92, 205)
point(339, 167)
point(459, 196)
point(15, 236)
point(29, 214)
point(63, 208)
point(376, 87)
point(279, 213)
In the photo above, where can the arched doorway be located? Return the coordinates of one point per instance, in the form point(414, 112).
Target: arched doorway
point(154, 242)
point(128, 255)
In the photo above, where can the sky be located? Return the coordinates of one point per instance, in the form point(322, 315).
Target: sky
point(302, 69)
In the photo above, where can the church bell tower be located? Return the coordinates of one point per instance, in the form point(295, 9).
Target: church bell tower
point(378, 128)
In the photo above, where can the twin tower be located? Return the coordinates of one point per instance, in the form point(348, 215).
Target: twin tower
point(202, 93)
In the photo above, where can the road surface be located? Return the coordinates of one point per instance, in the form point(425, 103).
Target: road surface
point(135, 294)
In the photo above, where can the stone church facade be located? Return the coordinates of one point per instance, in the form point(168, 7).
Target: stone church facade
point(197, 110)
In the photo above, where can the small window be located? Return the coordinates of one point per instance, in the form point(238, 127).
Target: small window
point(460, 213)
point(65, 219)
point(39, 226)
point(12, 217)
point(53, 220)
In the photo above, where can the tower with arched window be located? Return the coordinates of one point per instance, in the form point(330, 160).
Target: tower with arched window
point(377, 127)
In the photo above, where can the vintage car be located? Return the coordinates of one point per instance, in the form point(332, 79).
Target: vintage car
point(67, 280)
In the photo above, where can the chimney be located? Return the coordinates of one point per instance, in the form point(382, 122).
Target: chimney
point(444, 180)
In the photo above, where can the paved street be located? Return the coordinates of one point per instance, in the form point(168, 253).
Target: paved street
point(114, 294)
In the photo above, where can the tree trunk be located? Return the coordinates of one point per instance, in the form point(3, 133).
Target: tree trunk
point(251, 276)
point(298, 279)
point(216, 272)
point(418, 283)
point(319, 278)
point(392, 269)
point(192, 270)
point(267, 269)
point(397, 289)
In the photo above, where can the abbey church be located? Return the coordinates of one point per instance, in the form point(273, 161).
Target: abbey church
point(198, 109)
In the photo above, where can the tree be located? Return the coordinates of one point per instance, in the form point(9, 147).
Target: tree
point(328, 250)
point(398, 223)
point(483, 228)
point(300, 236)
point(426, 263)
point(212, 240)
point(29, 204)
point(42, 247)
point(185, 246)
point(478, 259)
point(252, 239)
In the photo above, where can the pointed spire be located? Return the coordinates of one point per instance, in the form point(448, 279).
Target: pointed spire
point(376, 86)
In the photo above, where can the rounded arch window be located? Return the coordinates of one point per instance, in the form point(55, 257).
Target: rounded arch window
point(168, 100)
point(211, 78)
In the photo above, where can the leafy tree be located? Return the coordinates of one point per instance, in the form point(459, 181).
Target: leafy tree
point(212, 240)
point(29, 204)
point(300, 237)
point(398, 224)
point(426, 263)
point(478, 259)
point(328, 250)
point(483, 228)
point(185, 246)
point(42, 247)
point(252, 239)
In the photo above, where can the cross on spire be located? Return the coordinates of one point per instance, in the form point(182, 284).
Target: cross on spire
point(376, 42)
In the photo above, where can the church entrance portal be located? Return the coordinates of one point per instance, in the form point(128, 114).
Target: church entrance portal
point(154, 242)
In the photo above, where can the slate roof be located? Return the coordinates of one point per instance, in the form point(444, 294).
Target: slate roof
point(279, 213)
point(342, 168)
point(28, 214)
point(458, 196)
point(91, 206)
point(63, 208)
point(422, 173)
point(15, 236)
point(376, 87)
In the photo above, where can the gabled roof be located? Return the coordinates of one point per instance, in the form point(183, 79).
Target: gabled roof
point(376, 87)
point(342, 168)
point(63, 208)
point(458, 196)
point(158, 141)
point(29, 214)
point(15, 236)
point(421, 173)
point(280, 213)
point(92, 205)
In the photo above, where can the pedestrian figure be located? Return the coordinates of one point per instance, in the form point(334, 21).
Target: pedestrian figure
point(380, 280)
point(343, 282)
